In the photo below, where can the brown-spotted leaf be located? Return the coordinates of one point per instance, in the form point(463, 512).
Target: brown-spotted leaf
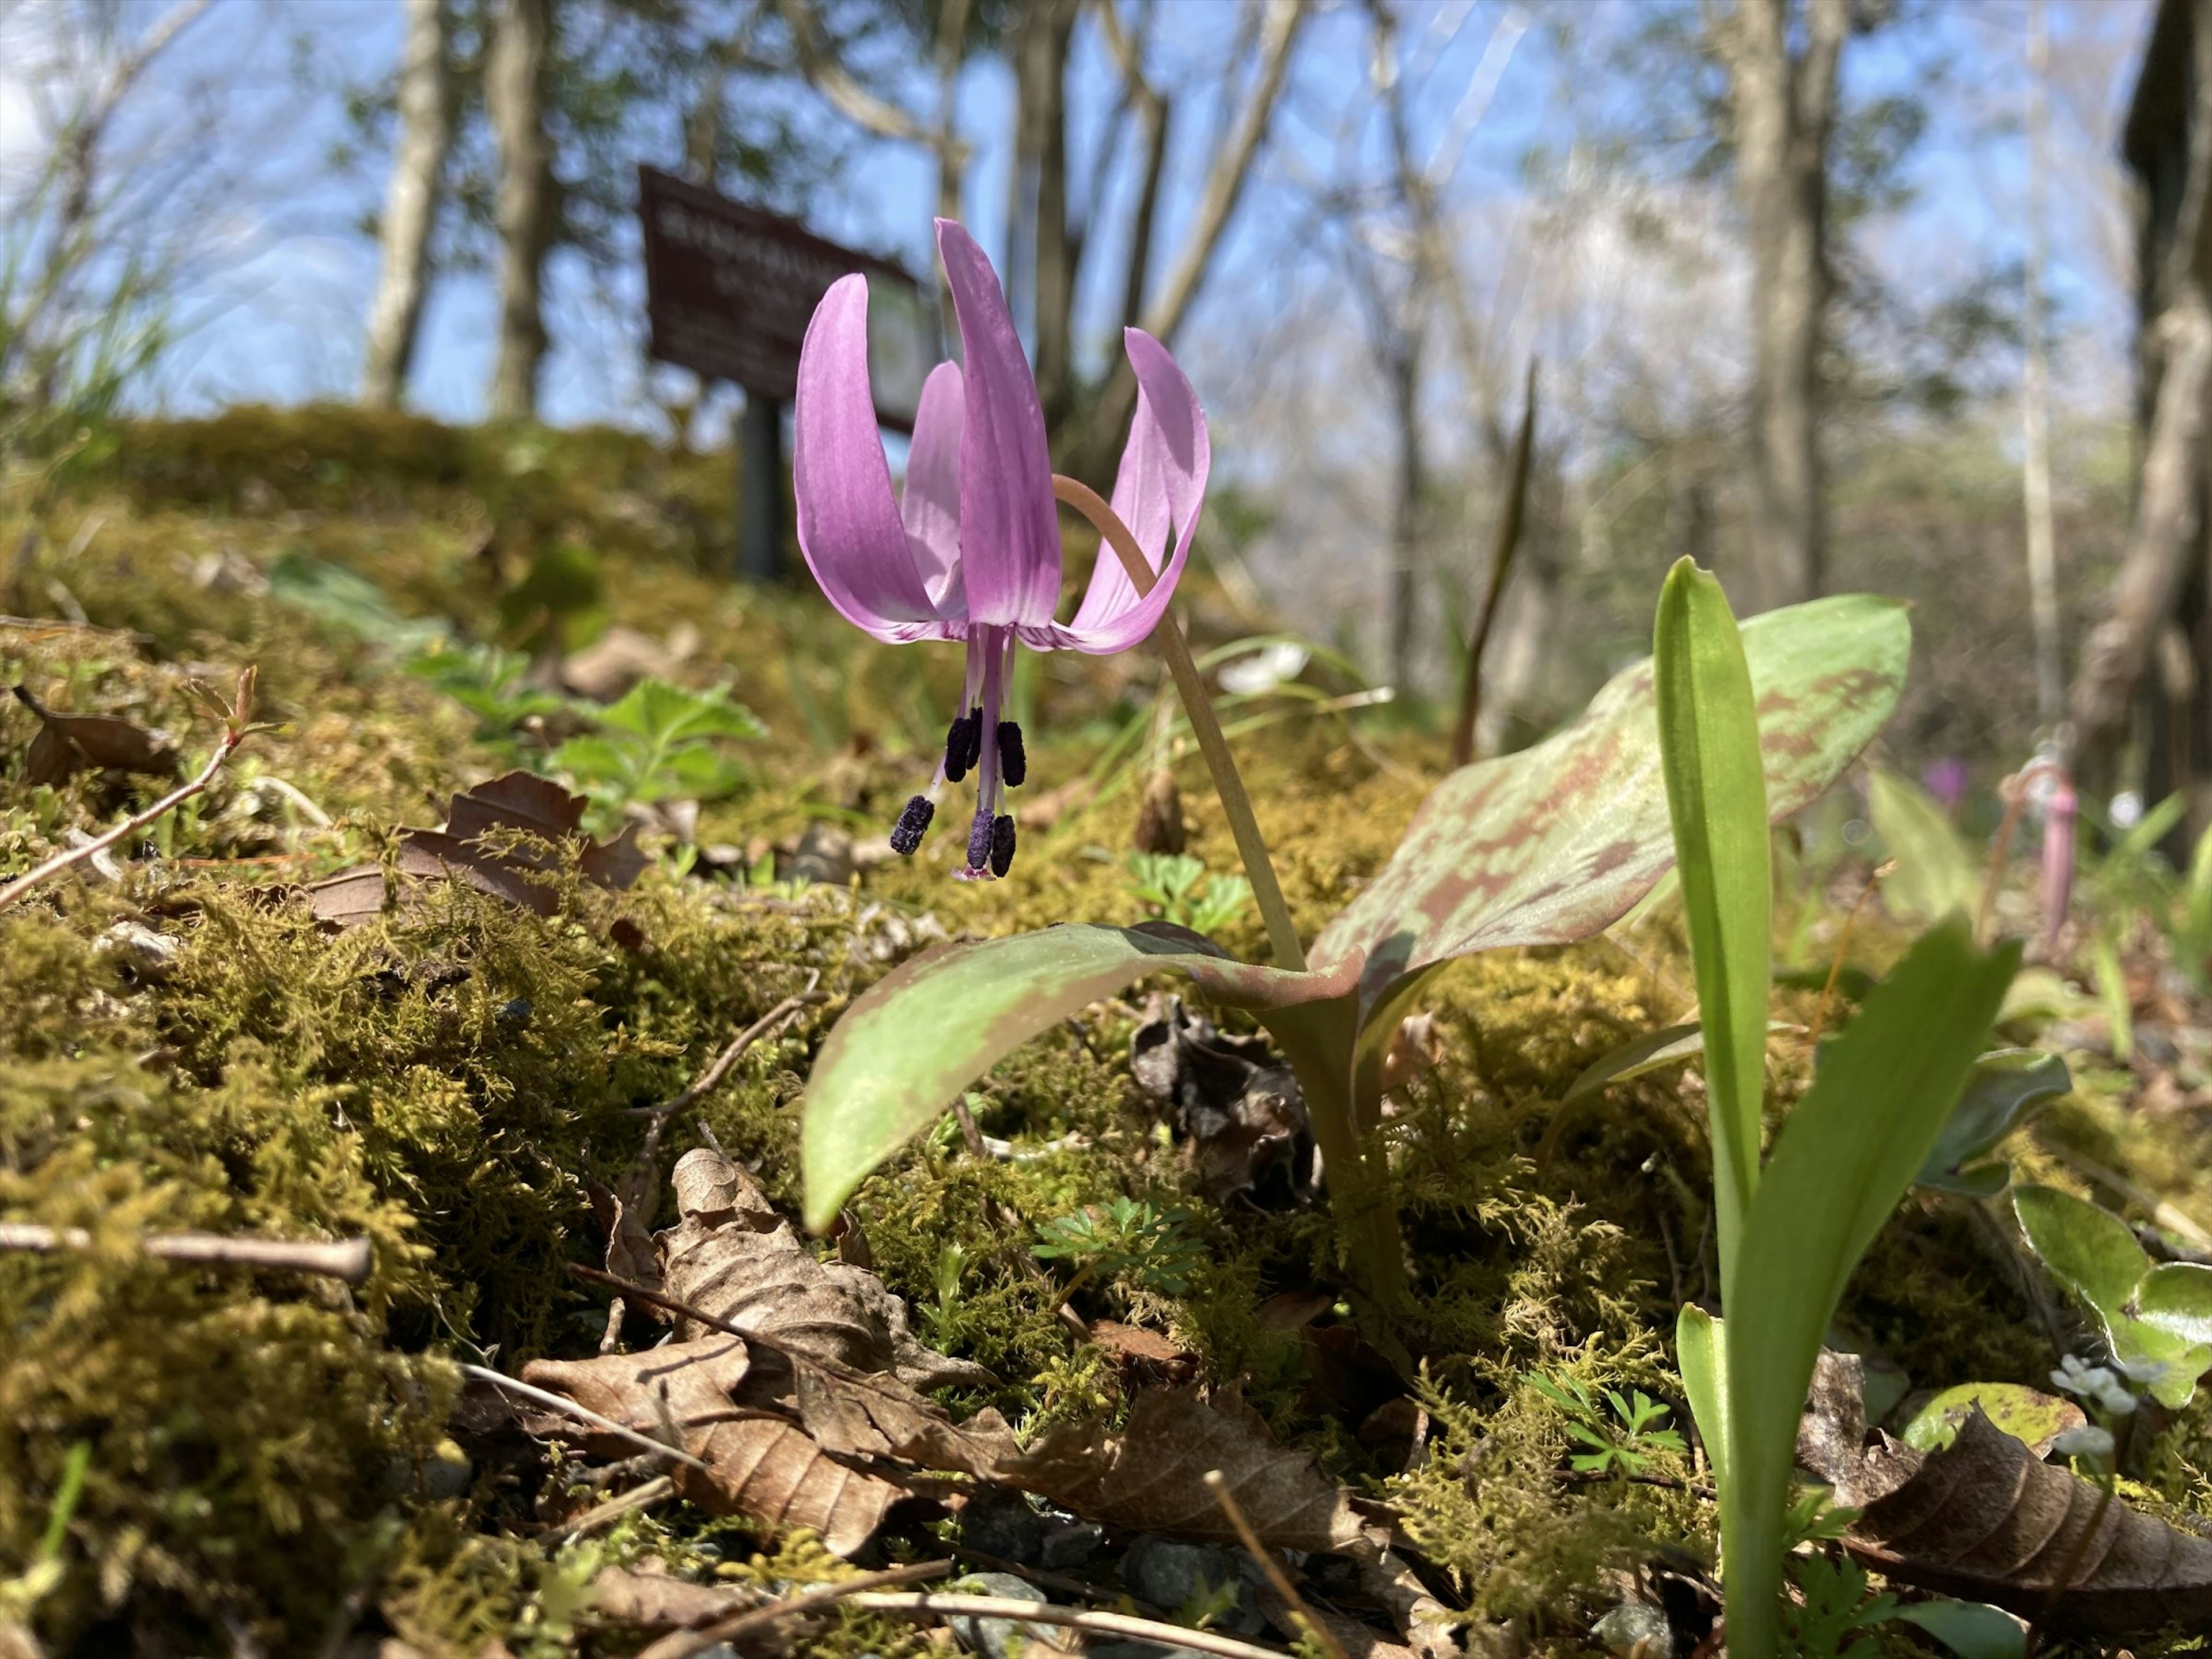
point(734, 1257)
point(1557, 842)
point(1986, 1521)
point(66, 745)
point(929, 1029)
point(1151, 1474)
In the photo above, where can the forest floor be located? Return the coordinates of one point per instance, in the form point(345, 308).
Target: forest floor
point(493, 1078)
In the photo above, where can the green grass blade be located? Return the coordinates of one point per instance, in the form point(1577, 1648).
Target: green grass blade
point(1884, 1090)
point(1701, 1353)
point(1717, 797)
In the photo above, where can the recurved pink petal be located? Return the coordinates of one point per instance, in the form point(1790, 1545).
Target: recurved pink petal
point(1009, 526)
point(1161, 485)
point(849, 521)
point(931, 503)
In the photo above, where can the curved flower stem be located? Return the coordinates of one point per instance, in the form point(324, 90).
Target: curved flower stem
point(1282, 934)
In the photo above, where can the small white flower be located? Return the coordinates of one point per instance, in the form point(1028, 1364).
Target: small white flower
point(2074, 1376)
point(2087, 1441)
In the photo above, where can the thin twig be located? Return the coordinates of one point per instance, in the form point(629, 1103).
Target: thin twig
point(1043, 1613)
point(1843, 945)
point(582, 1413)
point(1606, 1477)
point(1046, 1580)
point(682, 1645)
point(2161, 1213)
point(2014, 789)
point(1198, 709)
point(1502, 549)
point(1218, 1484)
point(346, 1258)
point(235, 733)
point(655, 1491)
point(711, 1080)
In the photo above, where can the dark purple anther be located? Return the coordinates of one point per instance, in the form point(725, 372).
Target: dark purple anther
point(1013, 764)
point(979, 843)
point(907, 832)
point(1002, 845)
point(964, 745)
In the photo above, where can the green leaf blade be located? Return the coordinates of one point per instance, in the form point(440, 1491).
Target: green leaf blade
point(894, 1062)
point(1839, 1166)
point(1717, 801)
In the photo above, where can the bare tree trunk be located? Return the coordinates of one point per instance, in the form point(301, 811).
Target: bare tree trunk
point(2035, 391)
point(1152, 108)
point(1784, 104)
point(1046, 42)
point(410, 204)
point(1407, 507)
point(514, 94)
point(949, 150)
point(2167, 535)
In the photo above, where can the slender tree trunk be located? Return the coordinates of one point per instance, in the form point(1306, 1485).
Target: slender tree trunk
point(1407, 509)
point(2167, 535)
point(2035, 391)
point(945, 143)
point(410, 203)
point(1784, 103)
point(1045, 46)
point(514, 94)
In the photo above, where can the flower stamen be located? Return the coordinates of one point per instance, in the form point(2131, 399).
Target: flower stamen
point(1014, 761)
point(913, 823)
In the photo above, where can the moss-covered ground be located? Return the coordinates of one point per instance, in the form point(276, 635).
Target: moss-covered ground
point(267, 1462)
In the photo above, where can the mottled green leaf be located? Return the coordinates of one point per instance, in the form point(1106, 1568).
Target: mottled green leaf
point(1554, 843)
point(1839, 1166)
point(1935, 874)
point(2005, 1087)
point(892, 1064)
point(2157, 1320)
point(2027, 1415)
point(1716, 800)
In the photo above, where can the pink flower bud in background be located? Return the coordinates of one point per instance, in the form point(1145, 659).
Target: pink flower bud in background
point(2060, 807)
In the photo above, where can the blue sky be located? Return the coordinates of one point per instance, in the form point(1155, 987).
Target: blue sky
point(277, 317)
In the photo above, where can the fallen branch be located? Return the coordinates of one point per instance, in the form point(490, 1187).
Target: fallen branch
point(237, 726)
point(346, 1258)
point(683, 1643)
point(655, 1491)
point(1043, 1613)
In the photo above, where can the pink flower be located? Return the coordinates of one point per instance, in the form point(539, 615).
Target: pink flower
point(971, 550)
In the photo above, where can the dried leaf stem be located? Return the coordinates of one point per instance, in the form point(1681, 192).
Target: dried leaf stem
point(235, 731)
point(1218, 1484)
point(682, 1645)
point(346, 1258)
point(1198, 708)
point(1043, 1613)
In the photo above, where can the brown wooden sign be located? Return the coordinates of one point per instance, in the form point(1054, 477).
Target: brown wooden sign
point(730, 289)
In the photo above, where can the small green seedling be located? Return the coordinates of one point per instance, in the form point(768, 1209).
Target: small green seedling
point(659, 743)
point(1622, 1443)
point(1789, 1231)
point(1125, 1239)
point(2157, 1318)
point(493, 684)
point(1172, 884)
point(1832, 1619)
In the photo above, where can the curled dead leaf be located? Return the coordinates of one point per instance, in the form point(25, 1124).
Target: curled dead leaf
point(1985, 1520)
point(66, 745)
point(1239, 1105)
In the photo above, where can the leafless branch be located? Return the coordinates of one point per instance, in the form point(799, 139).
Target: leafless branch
point(346, 1258)
point(1040, 1613)
point(682, 1645)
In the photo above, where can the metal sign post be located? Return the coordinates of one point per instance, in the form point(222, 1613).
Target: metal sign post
point(729, 292)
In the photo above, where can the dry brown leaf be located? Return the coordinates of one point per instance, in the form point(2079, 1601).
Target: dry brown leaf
point(516, 803)
point(1151, 1474)
point(657, 1599)
point(1986, 1520)
point(734, 1257)
point(1145, 1359)
point(1240, 1106)
point(759, 1464)
point(66, 745)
